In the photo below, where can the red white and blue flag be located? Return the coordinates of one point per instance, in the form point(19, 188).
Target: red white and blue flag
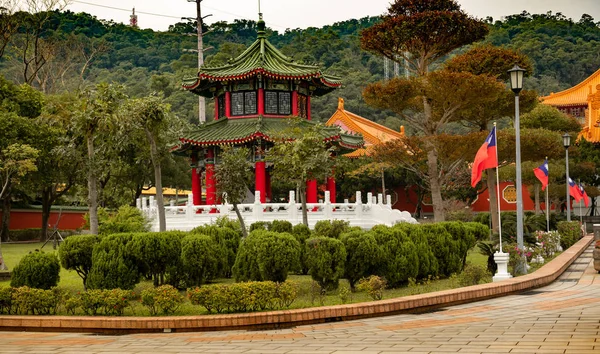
point(542, 174)
point(586, 199)
point(574, 190)
point(486, 157)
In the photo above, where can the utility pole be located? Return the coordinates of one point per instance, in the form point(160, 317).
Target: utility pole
point(201, 101)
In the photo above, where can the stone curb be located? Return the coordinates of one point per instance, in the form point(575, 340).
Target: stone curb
point(288, 318)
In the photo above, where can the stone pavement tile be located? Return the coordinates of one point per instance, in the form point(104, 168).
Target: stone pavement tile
point(303, 351)
point(581, 351)
point(356, 352)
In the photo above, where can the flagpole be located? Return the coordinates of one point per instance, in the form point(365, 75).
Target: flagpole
point(498, 190)
point(547, 205)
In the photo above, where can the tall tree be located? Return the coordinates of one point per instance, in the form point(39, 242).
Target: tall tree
point(95, 117)
point(301, 155)
point(421, 32)
point(232, 174)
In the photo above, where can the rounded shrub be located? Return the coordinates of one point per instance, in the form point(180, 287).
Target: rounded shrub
point(125, 219)
point(200, 257)
point(229, 242)
point(569, 232)
point(362, 255)
point(266, 255)
point(260, 225)
point(331, 228)
point(75, 253)
point(157, 251)
point(36, 270)
point(326, 258)
point(480, 231)
point(113, 265)
point(302, 233)
point(445, 248)
point(281, 226)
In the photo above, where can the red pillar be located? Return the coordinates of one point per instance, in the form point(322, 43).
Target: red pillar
point(308, 107)
point(227, 104)
point(295, 103)
point(211, 187)
point(260, 180)
point(311, 191)
point(261, 101)
point(196, 185)
point(331, 188)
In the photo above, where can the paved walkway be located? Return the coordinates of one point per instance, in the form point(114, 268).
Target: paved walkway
point(563, 317)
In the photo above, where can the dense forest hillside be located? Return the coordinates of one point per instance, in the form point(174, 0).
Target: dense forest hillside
point(82, 50)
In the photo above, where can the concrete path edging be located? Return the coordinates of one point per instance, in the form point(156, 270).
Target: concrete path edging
point(288, 318)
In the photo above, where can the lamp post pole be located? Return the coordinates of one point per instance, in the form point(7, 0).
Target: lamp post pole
point(566, 143)
point(516, 85)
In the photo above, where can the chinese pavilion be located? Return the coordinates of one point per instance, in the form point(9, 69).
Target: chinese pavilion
point(581, 101)
point(254, 96)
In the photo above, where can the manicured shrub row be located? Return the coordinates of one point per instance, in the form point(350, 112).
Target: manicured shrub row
point(242, 297)
point(570, 233)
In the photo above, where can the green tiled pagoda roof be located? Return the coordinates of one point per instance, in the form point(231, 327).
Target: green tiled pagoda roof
point(261, 58)
point(237, 131)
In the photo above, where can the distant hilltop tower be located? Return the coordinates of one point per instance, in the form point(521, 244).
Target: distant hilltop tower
point(133, 19)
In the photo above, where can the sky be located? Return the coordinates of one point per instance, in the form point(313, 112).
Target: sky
point(282, 14)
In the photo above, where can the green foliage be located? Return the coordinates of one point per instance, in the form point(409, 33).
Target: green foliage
point(266, 255)
point(447, 250)
point(326, 258)
point(201, 257)
point(302, 233)
point(110, 302)
point(281, 226)
point(548, 117)
point(113, 265)
point(569, 232)
point(157, 251)
point(362, 255)
point(36, 301)
point(116, 301)
point(260, 225)
point(6, 300)
point(228, 241)
point(36, 270)
point(126, 219)
point(163, 300)
point(373, 285)
point(92, 301)
point(76, 254)
point(488, 249)
point(478, 230)
point(331, 228)
point(473, 275)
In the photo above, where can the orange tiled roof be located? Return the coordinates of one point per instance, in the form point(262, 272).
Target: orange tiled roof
point(576, 95)
point(372, 132)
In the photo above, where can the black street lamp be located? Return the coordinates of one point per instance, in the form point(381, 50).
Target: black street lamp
point(566, 143)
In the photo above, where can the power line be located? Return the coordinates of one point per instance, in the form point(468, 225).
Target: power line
point(167, 16)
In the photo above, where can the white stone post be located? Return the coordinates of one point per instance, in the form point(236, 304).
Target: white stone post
point(380, 198)
point(144, 203)
point(502, 262)
point(257, 210)
point(328, 213)
point(189, 207)
point(292, 210)
point(369, 198)
point(358, 207)
point(138, 203)
point(389, 200)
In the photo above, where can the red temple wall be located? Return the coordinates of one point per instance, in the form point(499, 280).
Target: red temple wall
point(32, 219)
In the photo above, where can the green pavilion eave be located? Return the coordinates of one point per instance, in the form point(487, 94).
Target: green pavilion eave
point(255, 94)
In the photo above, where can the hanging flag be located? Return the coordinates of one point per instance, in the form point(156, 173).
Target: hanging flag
point(574, 190)
point(586, 199)
point(486, 157)
point(542, 174)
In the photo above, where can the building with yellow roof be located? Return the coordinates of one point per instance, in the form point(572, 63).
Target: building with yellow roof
point(373, 133)
point(581, 101)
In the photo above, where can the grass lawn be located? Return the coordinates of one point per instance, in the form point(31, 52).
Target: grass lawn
point(308, 296)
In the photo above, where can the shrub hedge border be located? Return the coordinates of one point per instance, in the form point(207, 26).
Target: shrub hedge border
point(288, 318)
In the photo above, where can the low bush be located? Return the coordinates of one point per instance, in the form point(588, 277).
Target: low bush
point(113, 264)
point(110, 302)
point(6, 301)
point(201, 257)
point(36, 270)
point(302, 233)
point(164, 300)
point(25, 234)
point(157, 251)
point(373, 285)
point(569, 232)
point(473, 275)
point(260, 225)
point(229, 242)
point(125, 219)
point(36, 301)
point(326, 258)
point(362, 255)
point(281, 226)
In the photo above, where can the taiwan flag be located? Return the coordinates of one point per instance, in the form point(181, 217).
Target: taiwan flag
point(586, 199)
point(574, 190)
point(486, 157)
point(542, 174)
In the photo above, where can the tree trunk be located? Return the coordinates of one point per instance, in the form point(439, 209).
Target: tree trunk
point(491, 182)
point(46, 208)
point(434, 184)
point(538, 209)
point(240, 219)
point(4, 229)
point(302, 192)
point(92, 186)
point(160, 204)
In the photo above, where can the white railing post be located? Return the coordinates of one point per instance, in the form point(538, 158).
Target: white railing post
point(389, 201)
point(292, 208)
point(257, 211)
point(189, 207)
point(369, 199)
point(144, 204)
point(138, 203)
point(358, 209)
point(327, 206)
point(379, 198)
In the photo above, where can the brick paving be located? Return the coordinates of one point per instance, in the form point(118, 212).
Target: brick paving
point(563, 317)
